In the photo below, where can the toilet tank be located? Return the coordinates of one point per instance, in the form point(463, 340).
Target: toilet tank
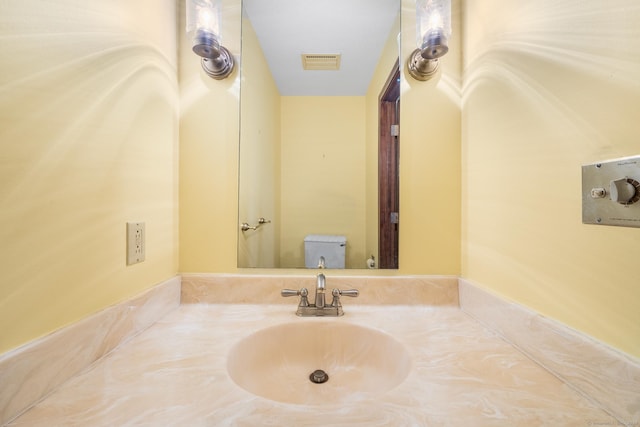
point(332, 248)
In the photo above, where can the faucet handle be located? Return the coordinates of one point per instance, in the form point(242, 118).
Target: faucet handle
point(336, 297)
point(304, 301)
point(349, 292)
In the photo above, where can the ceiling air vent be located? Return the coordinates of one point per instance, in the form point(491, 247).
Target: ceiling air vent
point(314, 61)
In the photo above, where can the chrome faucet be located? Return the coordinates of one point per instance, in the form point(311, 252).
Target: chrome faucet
point(319, 307)
point(320, 285)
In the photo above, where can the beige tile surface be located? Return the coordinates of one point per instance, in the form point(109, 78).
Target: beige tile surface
point(608, 377)
point(175, 374)
point(32, 371)
point(256, 289)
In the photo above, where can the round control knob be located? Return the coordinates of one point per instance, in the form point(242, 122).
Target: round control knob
point(624, 191)
point(598, 193)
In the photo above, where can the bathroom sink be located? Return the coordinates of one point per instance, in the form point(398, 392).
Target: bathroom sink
point(288, 362)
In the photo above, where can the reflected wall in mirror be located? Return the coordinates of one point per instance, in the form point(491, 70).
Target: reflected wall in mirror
point(309, 139)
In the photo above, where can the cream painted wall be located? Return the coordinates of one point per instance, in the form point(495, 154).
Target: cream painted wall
point(550, 86)
point(89, 137)
point(259, 182)
point(323, 174)
point(430, 168)
point(209, 136)
point(430, 163)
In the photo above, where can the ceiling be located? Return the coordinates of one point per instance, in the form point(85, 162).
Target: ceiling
point(355, 29)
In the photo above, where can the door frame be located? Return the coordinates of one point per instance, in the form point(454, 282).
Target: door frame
point(388, 170)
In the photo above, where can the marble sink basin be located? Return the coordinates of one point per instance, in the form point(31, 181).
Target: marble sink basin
point(276, 362)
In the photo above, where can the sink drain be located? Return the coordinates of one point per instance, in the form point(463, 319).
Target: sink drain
point(319, 376)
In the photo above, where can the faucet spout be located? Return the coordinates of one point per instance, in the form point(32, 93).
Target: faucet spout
point(320, 287)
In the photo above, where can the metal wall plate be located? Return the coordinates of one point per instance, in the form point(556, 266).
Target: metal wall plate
point(597, 184)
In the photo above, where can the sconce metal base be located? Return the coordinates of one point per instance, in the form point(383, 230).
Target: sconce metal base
point(420, 68)
point(220, 67)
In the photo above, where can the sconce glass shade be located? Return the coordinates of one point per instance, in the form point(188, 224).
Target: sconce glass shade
point(203, 29)
point(433, 30)
point(433, 20)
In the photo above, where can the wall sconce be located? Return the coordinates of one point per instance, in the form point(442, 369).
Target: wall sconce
point(203, 28)
point(433, 30)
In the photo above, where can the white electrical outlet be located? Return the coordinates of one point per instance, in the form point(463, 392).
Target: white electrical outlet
point(135, 242)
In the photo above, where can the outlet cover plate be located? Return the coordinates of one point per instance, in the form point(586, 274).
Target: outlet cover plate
point(597, 206)
point(135, 242)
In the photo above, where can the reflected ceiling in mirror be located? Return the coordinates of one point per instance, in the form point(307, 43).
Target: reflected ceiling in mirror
point(309, 139)
point(357, 30)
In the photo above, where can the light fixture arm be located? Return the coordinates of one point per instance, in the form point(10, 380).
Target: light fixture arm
point(221, 66)
point(421, 68)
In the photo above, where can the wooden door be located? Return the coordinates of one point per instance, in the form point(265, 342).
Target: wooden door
point(388, 162)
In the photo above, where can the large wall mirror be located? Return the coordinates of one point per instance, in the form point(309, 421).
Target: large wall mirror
point(319, 133)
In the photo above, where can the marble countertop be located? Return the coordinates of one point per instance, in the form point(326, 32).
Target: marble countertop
point(174, 374)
